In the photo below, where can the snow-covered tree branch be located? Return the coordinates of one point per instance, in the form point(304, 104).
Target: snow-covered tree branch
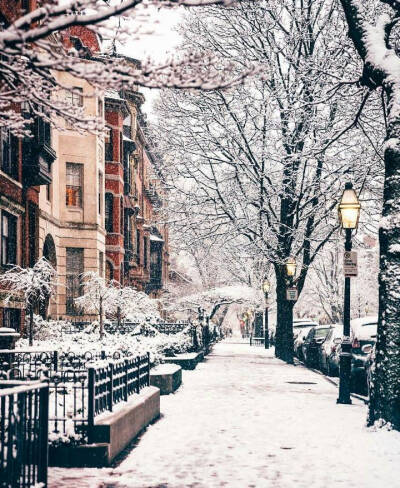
point(38, 46)
point(261, 162)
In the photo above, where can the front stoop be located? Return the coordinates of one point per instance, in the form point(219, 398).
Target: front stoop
point(112, 433)
point(166, 377)
point(187, 361)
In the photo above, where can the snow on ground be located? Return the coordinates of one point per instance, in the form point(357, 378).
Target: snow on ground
point(245, 419)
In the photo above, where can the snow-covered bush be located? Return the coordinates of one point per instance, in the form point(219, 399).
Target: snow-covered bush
point(51, 336)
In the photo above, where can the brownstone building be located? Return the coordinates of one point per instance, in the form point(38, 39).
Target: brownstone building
point(86, 202)
point(25, 166)
point(137, 248)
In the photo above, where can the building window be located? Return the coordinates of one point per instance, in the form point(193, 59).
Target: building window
point(49, 186)
point(109, 199)
point(145, 252)
point(121, 217)
point(9, 153)
point(100, 192)
point(101, 263)
point(8, 239)
point(108, 141)
point(33, 216)
point(74, 270)
point(75, 96)
point(138, 246)
point(12, 318)
point(74, 185)
point(100, 111)
point(109, 271)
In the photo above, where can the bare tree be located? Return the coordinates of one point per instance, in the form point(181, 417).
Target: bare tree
point(261, 161)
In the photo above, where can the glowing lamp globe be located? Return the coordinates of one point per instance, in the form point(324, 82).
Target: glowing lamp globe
point(349, 208)
point(290, 266)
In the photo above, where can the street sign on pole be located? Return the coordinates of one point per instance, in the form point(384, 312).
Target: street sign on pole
point(350, 263)
point(291, 294)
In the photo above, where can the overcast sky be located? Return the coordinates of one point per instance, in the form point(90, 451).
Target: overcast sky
point(157, 45)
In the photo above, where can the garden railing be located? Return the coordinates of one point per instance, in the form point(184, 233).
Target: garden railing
point(23, 434)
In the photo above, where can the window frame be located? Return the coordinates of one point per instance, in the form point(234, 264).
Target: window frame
point(70, 195)
point(75, 96)
point(9, 153)
point(75, 277)
point(5, 247)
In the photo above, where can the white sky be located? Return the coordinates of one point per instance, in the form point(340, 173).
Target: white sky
point(157, 45)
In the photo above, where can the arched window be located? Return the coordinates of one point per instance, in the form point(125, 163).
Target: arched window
point(109, 199)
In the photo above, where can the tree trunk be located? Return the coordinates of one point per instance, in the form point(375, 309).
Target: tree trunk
point(284, 321)
point(101, 319)
point(119, 318)
point(385, 395)
point(31, 325)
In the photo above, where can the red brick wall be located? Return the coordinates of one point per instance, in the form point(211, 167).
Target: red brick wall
point(88, 38)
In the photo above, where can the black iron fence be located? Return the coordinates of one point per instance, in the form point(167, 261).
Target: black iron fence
point(77, 397)
point(171, 327)
point(131, 328)
point(28, 364)
point(23, 434)
point(256, 341)
point(79, 389)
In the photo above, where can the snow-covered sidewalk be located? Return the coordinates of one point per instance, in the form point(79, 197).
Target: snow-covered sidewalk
point(245, 419)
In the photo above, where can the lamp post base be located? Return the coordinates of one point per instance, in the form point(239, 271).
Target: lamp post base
point(345, 375)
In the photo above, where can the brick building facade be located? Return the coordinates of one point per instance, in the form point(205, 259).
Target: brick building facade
point(84, 201)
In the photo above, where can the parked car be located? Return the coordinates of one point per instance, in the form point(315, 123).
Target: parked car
point(362, 332)
point(370, 351)
point(328, 359)
point(300, 330)
point(312, 342)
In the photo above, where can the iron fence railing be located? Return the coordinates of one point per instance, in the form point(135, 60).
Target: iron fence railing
point(77, 397)
point(171, 327)
point(256, 341)
point(131, 328)
point(23, 434)
point(28, 364)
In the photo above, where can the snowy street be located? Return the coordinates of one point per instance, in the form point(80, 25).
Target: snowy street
point(246, 419)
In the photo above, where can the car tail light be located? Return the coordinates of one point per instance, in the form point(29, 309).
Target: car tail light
point(356, 343)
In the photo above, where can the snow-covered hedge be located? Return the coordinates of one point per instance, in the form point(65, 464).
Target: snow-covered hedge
point(50, 336)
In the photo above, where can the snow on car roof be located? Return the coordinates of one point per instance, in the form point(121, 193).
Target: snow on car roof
point(370, 320)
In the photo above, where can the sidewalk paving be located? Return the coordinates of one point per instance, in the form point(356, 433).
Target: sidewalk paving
point(245, 419)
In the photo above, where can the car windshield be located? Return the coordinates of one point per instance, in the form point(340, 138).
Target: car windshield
point(321, 332)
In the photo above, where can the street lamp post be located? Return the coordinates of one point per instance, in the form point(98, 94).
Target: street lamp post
point(266, 287)
point(349, 213)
